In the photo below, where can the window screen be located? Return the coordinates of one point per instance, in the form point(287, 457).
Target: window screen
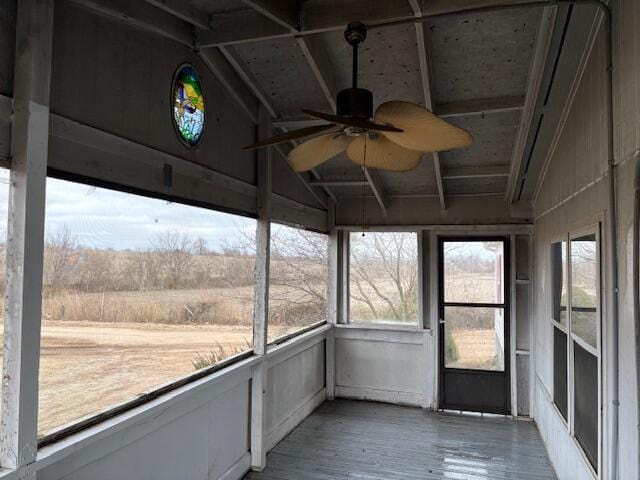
point(383, 277)
point(584, 289)
point(560, 370)
point(297, 280)
point(4, 207)
point(559, 281)
point(137, 292)
point(586, 402)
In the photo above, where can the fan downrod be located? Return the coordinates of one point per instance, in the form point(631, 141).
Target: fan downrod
point(355, 102)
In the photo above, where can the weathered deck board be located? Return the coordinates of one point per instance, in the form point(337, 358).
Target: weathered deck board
point(371, 441)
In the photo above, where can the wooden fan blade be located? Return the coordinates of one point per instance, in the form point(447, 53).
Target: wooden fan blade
point(317, 150)
point(423, 130)
point(288, 136)
point(383, 154)
point(353, 122)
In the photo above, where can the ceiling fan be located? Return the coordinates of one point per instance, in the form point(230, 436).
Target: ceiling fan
point(393, 139)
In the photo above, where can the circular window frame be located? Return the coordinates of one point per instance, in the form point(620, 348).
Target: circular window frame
point(173, 118)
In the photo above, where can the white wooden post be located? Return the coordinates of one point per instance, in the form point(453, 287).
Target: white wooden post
point(513, 325)
point(261, 308)
point(424, 319)
point(333, 299)
point(25, 234)
point(343, 313)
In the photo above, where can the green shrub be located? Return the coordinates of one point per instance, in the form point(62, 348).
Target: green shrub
point(450, 349)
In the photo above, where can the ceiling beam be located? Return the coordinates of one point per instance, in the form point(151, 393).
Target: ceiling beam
point(143, 16)
point(247, 77)
point(238, 64)
point(241, 26)
point(319, 16)
point(316, 16)
point(286, 14)
point(307, 182)
point(484, 106)
point(183, 11)
point(476, 172)
point(321, 67)
point(374, 183)
point(283, 12)
point(423, 59)
point(536, 73)
point(230, 80)
point(339, 183)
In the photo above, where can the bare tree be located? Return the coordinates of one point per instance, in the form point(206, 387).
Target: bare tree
point(60, 249)
point(384, 271)
point(175, 254)
point(200, 247)
point(384, 274)
point(299, 264)
point(95, 272)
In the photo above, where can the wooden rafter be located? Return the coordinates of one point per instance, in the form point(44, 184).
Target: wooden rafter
point(252, 84)
point(423, 57)
point(183, 11)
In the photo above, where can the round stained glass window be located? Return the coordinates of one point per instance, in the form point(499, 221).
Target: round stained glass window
point(188, 105)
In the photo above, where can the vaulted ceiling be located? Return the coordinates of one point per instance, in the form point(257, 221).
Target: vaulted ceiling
point(475, 67)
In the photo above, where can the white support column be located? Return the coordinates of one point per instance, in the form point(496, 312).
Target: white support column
point(434, 317)
point(333, 298)
point(424, 298)
point(25, 234)
point(343, 313)
point(513, 326)
point(261, 309)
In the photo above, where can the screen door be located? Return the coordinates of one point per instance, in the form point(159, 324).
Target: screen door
point(474, 324)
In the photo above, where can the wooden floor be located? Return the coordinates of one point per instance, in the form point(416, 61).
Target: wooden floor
point(372, 441)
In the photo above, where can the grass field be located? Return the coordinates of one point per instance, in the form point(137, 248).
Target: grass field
point(99, 349)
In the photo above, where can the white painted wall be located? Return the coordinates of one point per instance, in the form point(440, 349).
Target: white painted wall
point(296, 386)
point(396, 366)
point(573, 195)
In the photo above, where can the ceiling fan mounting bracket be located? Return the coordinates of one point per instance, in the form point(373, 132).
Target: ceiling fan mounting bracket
point(356, 33)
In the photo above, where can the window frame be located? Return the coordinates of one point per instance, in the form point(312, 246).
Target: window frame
point(569, 423)
point(84, 423)
point(307, 328)
point(421, 322)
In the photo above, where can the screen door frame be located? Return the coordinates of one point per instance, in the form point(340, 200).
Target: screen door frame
point(487, 391)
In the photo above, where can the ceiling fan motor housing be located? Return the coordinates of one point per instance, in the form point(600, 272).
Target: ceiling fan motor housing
point(355, 102)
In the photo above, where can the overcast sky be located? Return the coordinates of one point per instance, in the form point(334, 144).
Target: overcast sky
point(102, 218)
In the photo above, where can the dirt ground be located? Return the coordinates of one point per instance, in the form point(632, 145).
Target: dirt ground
point(476, 349)
point(88, 366)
